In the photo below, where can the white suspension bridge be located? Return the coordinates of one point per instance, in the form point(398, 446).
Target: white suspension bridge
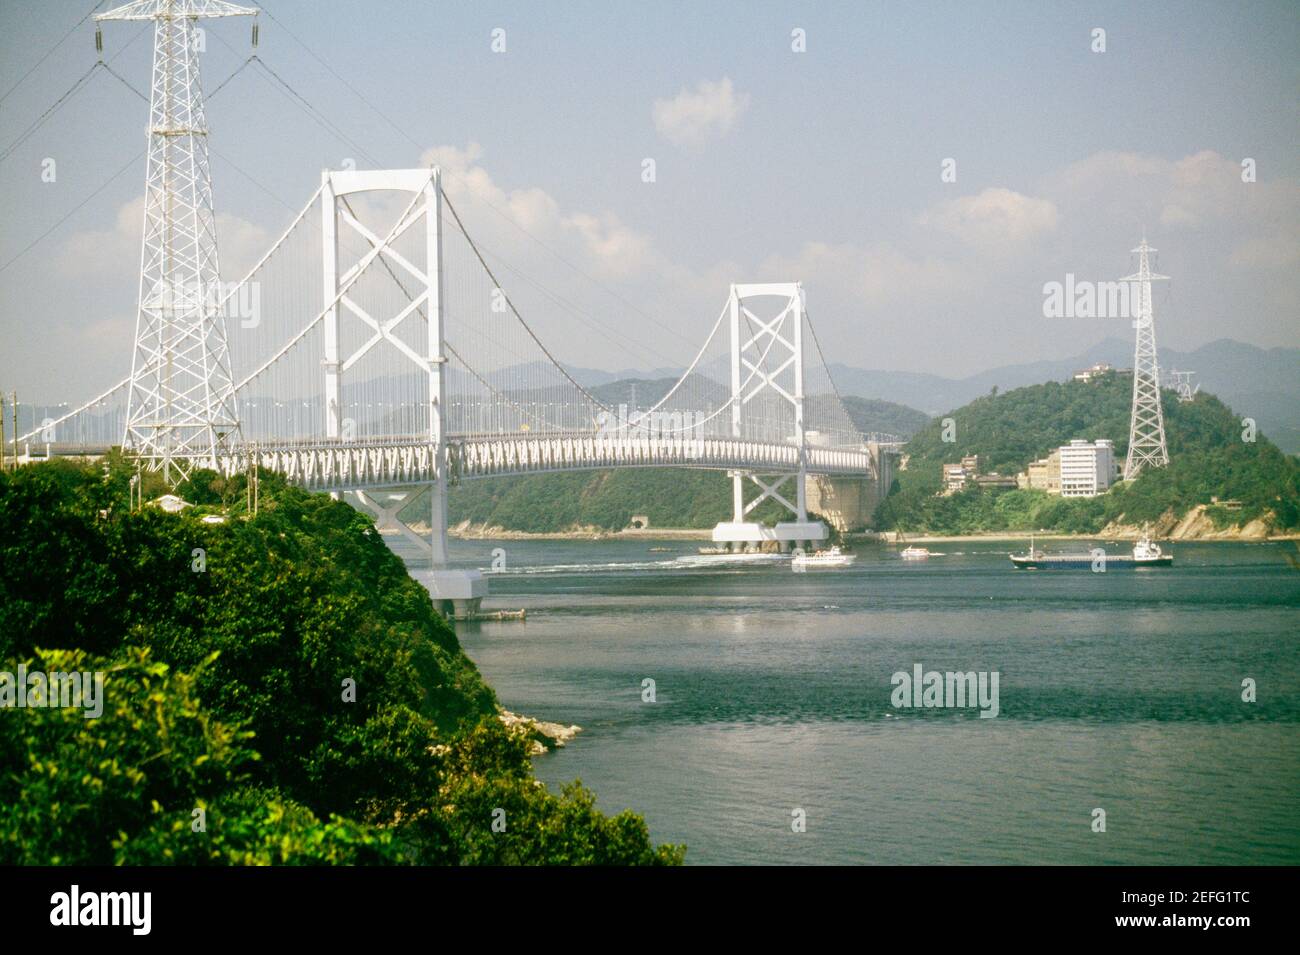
point(372, 351)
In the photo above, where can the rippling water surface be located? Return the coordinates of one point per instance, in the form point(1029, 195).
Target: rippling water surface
point(1119, 691)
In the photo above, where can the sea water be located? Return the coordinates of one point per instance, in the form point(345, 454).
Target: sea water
point(771, 700)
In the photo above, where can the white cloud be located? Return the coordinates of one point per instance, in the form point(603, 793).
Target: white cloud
point(597, 239)
point(114, 251)
point(871, 276)
point(694, 116)
point(994, 217)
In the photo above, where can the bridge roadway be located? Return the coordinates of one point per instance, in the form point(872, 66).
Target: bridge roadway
point(339, 465)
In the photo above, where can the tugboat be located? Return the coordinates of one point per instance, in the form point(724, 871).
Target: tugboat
point(1146, 553)
point(823, 558)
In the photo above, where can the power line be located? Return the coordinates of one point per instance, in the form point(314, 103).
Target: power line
point(37, 241)
point(40, 238)
point(123, 80)
point(40, 120)
point(317, 114)
point(71, 92)
point(593, 280)
point(333, 128)
point(46, 56)
point(232, 76)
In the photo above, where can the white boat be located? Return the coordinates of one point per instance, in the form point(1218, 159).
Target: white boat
point(731, 557)
point(915, 553)
point(823, 558)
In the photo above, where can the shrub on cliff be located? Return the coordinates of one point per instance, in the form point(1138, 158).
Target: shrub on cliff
point(339, 692)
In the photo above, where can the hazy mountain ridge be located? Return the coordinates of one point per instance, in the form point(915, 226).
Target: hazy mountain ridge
point(1255, 382)
point(1261, 383)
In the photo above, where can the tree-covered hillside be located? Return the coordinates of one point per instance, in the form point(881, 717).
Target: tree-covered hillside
point(546, 503)
point(281, 674)
point(1209, 457)
point(872, 414)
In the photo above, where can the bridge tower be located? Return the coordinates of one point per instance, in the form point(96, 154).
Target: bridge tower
point(181, 406)
point(457, 591)
point(1146, 438)
point(767, 367)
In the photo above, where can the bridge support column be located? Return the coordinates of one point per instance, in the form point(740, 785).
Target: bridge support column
point(456, 593)
point(767, 357)
point(741, 534)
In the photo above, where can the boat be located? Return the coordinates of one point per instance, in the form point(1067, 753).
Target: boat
point(914, 553)
point(834, 557)
point(1146, 553)
point(723, 556)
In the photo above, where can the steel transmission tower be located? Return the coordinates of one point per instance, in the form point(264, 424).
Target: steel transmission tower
point(1146, 436)
point(1183, 385)
point(181, 407)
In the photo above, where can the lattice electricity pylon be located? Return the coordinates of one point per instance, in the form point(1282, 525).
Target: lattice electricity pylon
point(1146, 437)
point(1182, 383)
point(181, 408)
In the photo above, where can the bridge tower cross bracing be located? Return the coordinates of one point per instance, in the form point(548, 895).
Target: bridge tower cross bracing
point(181, 406)
point(767, 359)
point(1146, 439)
point(459, 591)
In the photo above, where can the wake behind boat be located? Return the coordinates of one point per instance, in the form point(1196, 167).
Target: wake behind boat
point(1146, 553)
point(722, 556)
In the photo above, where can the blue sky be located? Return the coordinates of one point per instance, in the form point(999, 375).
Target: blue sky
point(771, 165)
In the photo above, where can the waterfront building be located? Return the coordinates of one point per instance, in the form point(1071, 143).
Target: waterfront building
point(1087, 468)
point(1042, 475)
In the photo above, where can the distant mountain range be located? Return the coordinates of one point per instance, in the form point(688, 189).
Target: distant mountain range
point(1260, 383)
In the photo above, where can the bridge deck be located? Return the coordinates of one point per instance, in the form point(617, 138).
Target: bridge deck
point(343, 465)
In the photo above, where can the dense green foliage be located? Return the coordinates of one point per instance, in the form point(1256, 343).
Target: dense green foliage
point(226, 648)
point(545, 503)
point(1208, 458)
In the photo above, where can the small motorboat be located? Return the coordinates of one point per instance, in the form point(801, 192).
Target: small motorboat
point(915, 553)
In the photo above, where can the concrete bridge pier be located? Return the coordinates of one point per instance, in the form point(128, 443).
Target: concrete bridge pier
point(457, 594)
point(740, 534)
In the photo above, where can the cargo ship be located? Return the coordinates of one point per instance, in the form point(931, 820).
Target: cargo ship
point(1146, 553)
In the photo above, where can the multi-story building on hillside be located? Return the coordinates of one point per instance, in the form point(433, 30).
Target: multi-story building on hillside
point(1087, 468)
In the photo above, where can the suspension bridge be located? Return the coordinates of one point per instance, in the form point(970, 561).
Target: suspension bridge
point(373, 352)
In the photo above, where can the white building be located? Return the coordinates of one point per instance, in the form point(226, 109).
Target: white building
point(1087, 468)
point(1096, 371)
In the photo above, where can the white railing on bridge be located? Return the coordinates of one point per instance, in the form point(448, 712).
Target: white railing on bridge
point(370, 463)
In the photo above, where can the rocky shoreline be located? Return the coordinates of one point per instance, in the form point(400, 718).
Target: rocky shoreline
point(543, 736)
point(1195, 525)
